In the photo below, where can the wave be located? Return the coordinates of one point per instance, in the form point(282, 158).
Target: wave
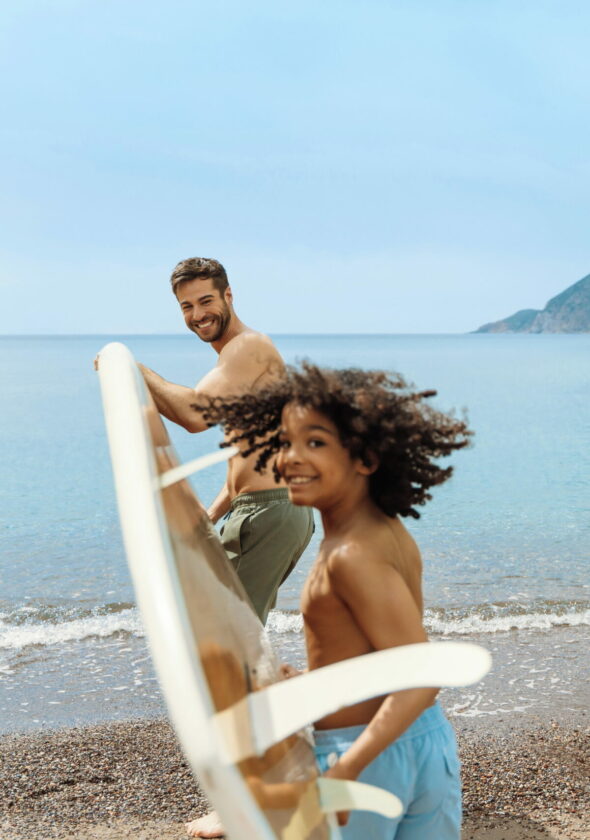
point(284, 622)
point(477, 620)
point(113, 619)
point(475, 624)
point(58, 612)
point(16, 637)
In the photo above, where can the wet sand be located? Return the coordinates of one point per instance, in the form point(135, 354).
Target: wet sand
point(128, 780)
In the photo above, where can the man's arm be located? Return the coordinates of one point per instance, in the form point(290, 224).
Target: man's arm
point(243, 364)
point(220, 506)
point(174, 401)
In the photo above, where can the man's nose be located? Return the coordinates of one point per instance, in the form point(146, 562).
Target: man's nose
point(196, 314)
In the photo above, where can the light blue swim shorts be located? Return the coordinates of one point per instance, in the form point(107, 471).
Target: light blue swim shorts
point(421, 768)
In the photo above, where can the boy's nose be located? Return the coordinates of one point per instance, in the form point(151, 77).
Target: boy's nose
point(293, 455)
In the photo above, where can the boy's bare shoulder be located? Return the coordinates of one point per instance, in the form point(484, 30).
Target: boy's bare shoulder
point(354, 557)
point(387, 546)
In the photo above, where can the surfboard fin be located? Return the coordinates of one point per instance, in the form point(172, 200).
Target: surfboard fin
point(184, 470)
point(343, 795)
point(325, 797)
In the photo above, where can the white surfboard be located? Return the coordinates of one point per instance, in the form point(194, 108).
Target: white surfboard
point(241, 727)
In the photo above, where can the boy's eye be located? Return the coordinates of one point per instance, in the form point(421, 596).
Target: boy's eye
point(316, 442)
point(284, 444)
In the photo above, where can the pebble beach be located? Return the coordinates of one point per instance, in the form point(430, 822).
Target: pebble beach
point(130, 779)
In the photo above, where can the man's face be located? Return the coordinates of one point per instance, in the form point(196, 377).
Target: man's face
point(206, 312)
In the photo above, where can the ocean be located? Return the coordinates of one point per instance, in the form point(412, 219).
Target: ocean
point(506, 542)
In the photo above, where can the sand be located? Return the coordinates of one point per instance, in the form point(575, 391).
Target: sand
point(130, 780)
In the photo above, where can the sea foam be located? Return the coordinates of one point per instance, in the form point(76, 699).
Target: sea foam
point(16, 637)
point(23, 635)
point(475, 623)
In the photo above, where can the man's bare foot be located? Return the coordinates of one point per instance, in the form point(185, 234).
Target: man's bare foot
point(288, 671)
point(207, 826)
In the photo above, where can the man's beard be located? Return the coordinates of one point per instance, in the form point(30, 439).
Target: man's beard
point(223, 320)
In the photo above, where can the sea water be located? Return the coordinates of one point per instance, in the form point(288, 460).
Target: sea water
point(505, 542)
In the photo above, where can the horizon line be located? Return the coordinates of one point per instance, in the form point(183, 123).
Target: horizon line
point(185, 335)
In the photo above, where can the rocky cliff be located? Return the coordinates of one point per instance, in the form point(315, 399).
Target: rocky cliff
point(568, 312)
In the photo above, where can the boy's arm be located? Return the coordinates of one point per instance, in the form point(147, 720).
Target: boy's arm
point(385, 610)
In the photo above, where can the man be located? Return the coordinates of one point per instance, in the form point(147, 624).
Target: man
point(263, 534)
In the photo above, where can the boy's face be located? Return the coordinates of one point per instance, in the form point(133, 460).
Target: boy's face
point(317, 468)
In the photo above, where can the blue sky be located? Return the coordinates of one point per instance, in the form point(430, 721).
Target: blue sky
point(357, 166)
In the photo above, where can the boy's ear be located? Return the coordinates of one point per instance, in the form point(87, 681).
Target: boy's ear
point(369, 464)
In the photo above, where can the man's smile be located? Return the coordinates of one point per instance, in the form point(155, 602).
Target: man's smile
point(206, 322)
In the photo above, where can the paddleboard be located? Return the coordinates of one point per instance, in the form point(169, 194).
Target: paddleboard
point(244, 731)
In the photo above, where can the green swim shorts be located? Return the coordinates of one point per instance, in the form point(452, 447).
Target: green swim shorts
point(264, 535)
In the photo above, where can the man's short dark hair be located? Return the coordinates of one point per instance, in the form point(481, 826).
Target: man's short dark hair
point(199, 268)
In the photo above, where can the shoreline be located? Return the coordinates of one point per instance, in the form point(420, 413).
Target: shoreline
point(130, 779)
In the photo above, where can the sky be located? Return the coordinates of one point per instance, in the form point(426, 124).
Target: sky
point(367, 167)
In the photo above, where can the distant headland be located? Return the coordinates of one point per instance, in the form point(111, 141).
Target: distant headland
point(568, 312)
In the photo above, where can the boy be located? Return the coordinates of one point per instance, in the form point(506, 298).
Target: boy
point(361, 447)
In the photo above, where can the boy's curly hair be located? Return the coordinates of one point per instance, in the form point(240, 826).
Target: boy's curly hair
point(377, 414)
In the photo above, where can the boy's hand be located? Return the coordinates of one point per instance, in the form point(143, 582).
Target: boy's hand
point(339, 771)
